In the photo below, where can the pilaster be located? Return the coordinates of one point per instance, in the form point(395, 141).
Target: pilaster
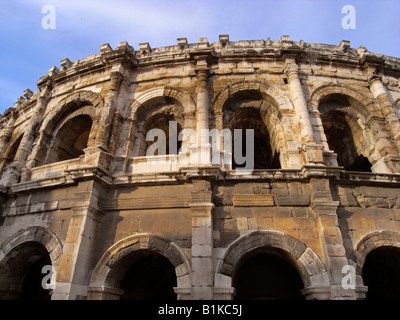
point(313, 153)
point(330, 236)
point(202, 241)
point(79, 245)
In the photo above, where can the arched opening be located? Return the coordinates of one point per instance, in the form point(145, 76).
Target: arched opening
point(381, 273)
point(243, 112)
point(21, 273)
point(171, 129)
point(11, 156)
point(146, 275)
point(71, 139)
point(267, 274)
point(343, 134)
point(13, 151)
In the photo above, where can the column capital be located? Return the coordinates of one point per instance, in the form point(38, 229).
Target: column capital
point(372, 77)
point(292, 70)
point(116, 80)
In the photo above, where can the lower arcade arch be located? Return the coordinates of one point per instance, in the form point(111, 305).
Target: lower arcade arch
point(269, 252)
point(146, 275)
point(21, 276)
point(267, 274)
point(381, 273)
point(140, 267)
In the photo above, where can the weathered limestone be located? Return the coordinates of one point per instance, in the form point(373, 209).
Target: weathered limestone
point(78, 191)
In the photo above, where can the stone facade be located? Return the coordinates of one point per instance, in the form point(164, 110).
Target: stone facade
point(78, 192)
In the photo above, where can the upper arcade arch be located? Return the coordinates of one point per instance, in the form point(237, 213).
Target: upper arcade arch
point(80, 105)
point(351, 125)
point(269, 102)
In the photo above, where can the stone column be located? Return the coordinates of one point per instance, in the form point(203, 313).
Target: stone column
point(45, 85)
point(98, 152)
point(202, 240)
point(6, 137)
point(107, 114)
point(202, 156)
point(312, 152)
point(79, 245)
point(379, 91)
point(331, 237)
point(392, 121)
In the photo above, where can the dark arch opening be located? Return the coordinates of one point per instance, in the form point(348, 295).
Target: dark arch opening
point(381, 273)
point(341, 140)
point(71, 139)
point(264, 156)
point(171, 129)
point(11, 155)
point(21, 276)
point(267, 275)
point(13, 151)
point(149, 276)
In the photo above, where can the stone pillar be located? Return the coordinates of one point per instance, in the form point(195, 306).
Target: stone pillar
point(7, 132)
point(6, 137)
point(98, 152)
point(202, 240)
point(76, 260)
point(379, 91)
point(313, 153)
point(202, 151)
point(331, 237)
point(19, 164)
point(107, 114)
point(392, 161)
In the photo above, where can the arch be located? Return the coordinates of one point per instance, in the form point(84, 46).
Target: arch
point(311, 268)
point(22, 257)
point(370, 242)
point(337, 106)
point(77, 104)
point(271, 94)
point(70, 104)
point(70, 138)
point(269, 101)
point(176, 104)
point(366, 106)
point(160, 95)
point(11, 150)
point(42, 235)
point(103, 277)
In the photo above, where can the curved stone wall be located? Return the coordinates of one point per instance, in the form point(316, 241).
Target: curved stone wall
point(315, 176)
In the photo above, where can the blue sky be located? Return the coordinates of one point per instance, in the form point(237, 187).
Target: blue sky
point(27, 51)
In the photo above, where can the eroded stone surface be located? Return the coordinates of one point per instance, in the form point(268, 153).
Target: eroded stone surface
point(323, 195)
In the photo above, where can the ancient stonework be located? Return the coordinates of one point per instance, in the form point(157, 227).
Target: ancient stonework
point(79, 192)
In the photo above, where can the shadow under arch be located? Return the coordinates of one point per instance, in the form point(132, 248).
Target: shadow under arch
point(78, 104)
point(22, 257)
point(104, 282)
point(268, 101)
point(372, 246)
point(310, 267)
point(172, 104)
point(350, 120)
